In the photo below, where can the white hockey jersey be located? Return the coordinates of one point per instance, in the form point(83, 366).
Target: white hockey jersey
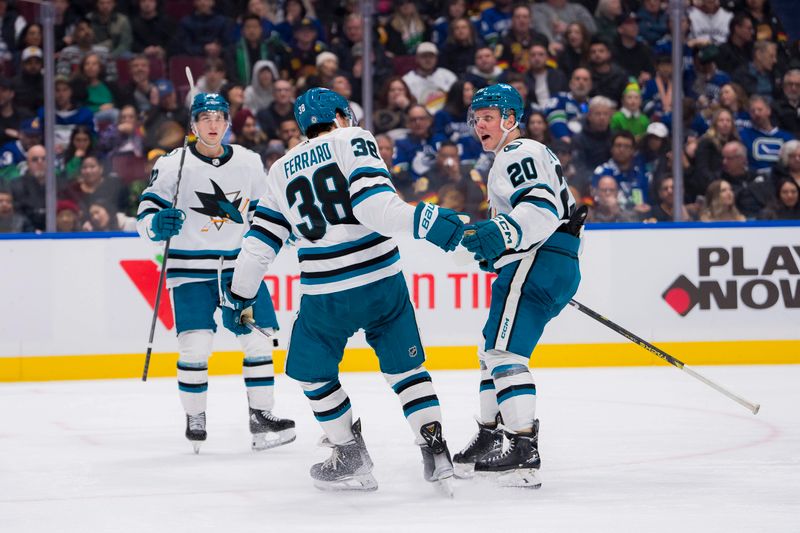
point(334, 193)
point(526, 182)
point(219, 197)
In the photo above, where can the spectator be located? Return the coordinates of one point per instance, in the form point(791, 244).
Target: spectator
point(246, 132)
point(738, 48)
point(68, 217)
point(762, 139)
point(406, 28)
point(564, 154)
point(259, 94)
point(629, 52)
point(274, 151)
point(427, 82)
point(11, 222)
point(111, 29)
point(212, 80)
point(733, 98)
point(441, 26)
point(137, 91)
point(536, 128)
point(64, 24)
point(607, 206)
point(253, 47)
point(721, 203)
point(341, 85)
point(608, 79)
point(29, 82)
point(663, 46)
point(450, 123)
point(80, 145)
point(485, 70)
point(163, 114)
point(592, 146)
point(516, 41)
point(543, 81)
point(552, 18)
point(575, 53)
point(304, 49)
point(151, 30)
point(664, 210)
point(68, 115)
point(10, 115)
point(203, 32)
point(630, 117)
point(653, 151)
point(416, 151)
point(401, 179)
point(381, 68)
point(90, 89)
point(753, 192)
point(787, 108)
point(234, 95)
point(652, 21)
point(281, 108)
point(92, 185)
point(788, 166)
point(447, 170)
point(705, 81)
point(459, 48)
point(767, 26)
point(14, 153)
point(70, 58)
point(566, 111)
point(710, 23)
point(327, 69)
point(11, 25)
point(786, 205)
point(450, 197)
point(125, 137)
point(757, 77)
point(288, 132)
point(393, 102)
point(351, 40)
point(29, 190)
point(520, 83)
point(605, 16)
point(103, 216)
point(657, 95)
point(31, 36)
point(294, 11)
point(494, 21)
point(633, 182)
point(708, 155)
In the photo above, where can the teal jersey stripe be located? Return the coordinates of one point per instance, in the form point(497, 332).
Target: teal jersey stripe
point(156, 199)
point(372, 192)
point(218, 253)
point(411, 410)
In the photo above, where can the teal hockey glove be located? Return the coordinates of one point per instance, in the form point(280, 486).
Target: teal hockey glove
point(438, 225)
point(490, 238)
point(166, 223)
point(237, 312)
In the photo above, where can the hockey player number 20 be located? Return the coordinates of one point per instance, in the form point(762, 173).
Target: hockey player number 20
point(324, 199)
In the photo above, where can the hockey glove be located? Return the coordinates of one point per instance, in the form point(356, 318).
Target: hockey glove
point(167, 223)
point(438, 225)
point(490, 238)
point(237, 312)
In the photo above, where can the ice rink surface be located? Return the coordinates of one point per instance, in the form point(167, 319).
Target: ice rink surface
point(623, 449)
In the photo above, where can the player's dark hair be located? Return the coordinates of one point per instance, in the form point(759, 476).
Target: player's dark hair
point(315, 130)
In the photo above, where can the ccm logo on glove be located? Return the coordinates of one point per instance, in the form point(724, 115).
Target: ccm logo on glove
point(510, 235)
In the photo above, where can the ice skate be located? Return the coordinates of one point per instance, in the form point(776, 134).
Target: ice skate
point(348, 468)
point(196, 430)
point(485, 442)
point(437, 466)
point(518, 464)
point(270, 431)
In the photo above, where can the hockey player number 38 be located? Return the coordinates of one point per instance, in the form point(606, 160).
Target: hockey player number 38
point(324, 200)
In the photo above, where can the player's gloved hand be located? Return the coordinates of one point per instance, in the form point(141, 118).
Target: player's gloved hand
point(167, 223)
point(438, 225)
point(490, 238)
point(237, 312)
point(487, 265)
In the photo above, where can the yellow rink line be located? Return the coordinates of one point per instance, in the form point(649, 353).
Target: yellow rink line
point(46, 368)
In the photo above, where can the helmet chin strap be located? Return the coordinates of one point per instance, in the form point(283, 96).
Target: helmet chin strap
point(506, 132)
point(204, 143)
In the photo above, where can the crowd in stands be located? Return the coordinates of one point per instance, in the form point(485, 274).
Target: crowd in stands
point(596, 76)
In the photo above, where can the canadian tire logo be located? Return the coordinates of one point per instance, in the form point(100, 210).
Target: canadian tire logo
point(729, 279)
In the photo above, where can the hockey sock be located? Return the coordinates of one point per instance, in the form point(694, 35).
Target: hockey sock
point(258, 371)
point(419, 400)
point(194, 348)
point(515, 389)
point(331, 407)
point(487, 394)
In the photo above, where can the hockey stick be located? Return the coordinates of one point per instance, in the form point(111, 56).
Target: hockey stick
point(752, 407)
point(163, 274)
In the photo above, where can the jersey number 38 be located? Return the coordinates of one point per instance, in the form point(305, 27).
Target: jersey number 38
point(324, 199)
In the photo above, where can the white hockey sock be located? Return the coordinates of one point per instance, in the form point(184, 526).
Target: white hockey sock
point(194, 349)
point(331, 407)
point(515, 389)
point(258, 371)
point(419, 400)
point(487, 394)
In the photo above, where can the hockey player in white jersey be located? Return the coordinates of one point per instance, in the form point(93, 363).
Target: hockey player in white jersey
point(219, 190)
point(334, 193)
point(532, 242)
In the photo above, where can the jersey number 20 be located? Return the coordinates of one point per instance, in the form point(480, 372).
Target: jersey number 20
point(324, 199)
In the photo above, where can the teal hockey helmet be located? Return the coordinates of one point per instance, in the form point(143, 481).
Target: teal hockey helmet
point(502, 96)
point(203, 102)
point(319, 106)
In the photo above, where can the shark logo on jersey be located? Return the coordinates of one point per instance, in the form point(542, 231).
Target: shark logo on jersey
point(222, 207)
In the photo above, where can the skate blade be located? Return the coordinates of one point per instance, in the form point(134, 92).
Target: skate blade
point(526, 478)
point(464, 470)
point(444, 486)
point(272, 439)
point(361, 482)
point(196, 446)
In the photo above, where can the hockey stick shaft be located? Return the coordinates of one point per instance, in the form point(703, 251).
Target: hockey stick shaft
point(752, 407)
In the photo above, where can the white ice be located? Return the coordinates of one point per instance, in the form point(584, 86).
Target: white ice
point(624, 449)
